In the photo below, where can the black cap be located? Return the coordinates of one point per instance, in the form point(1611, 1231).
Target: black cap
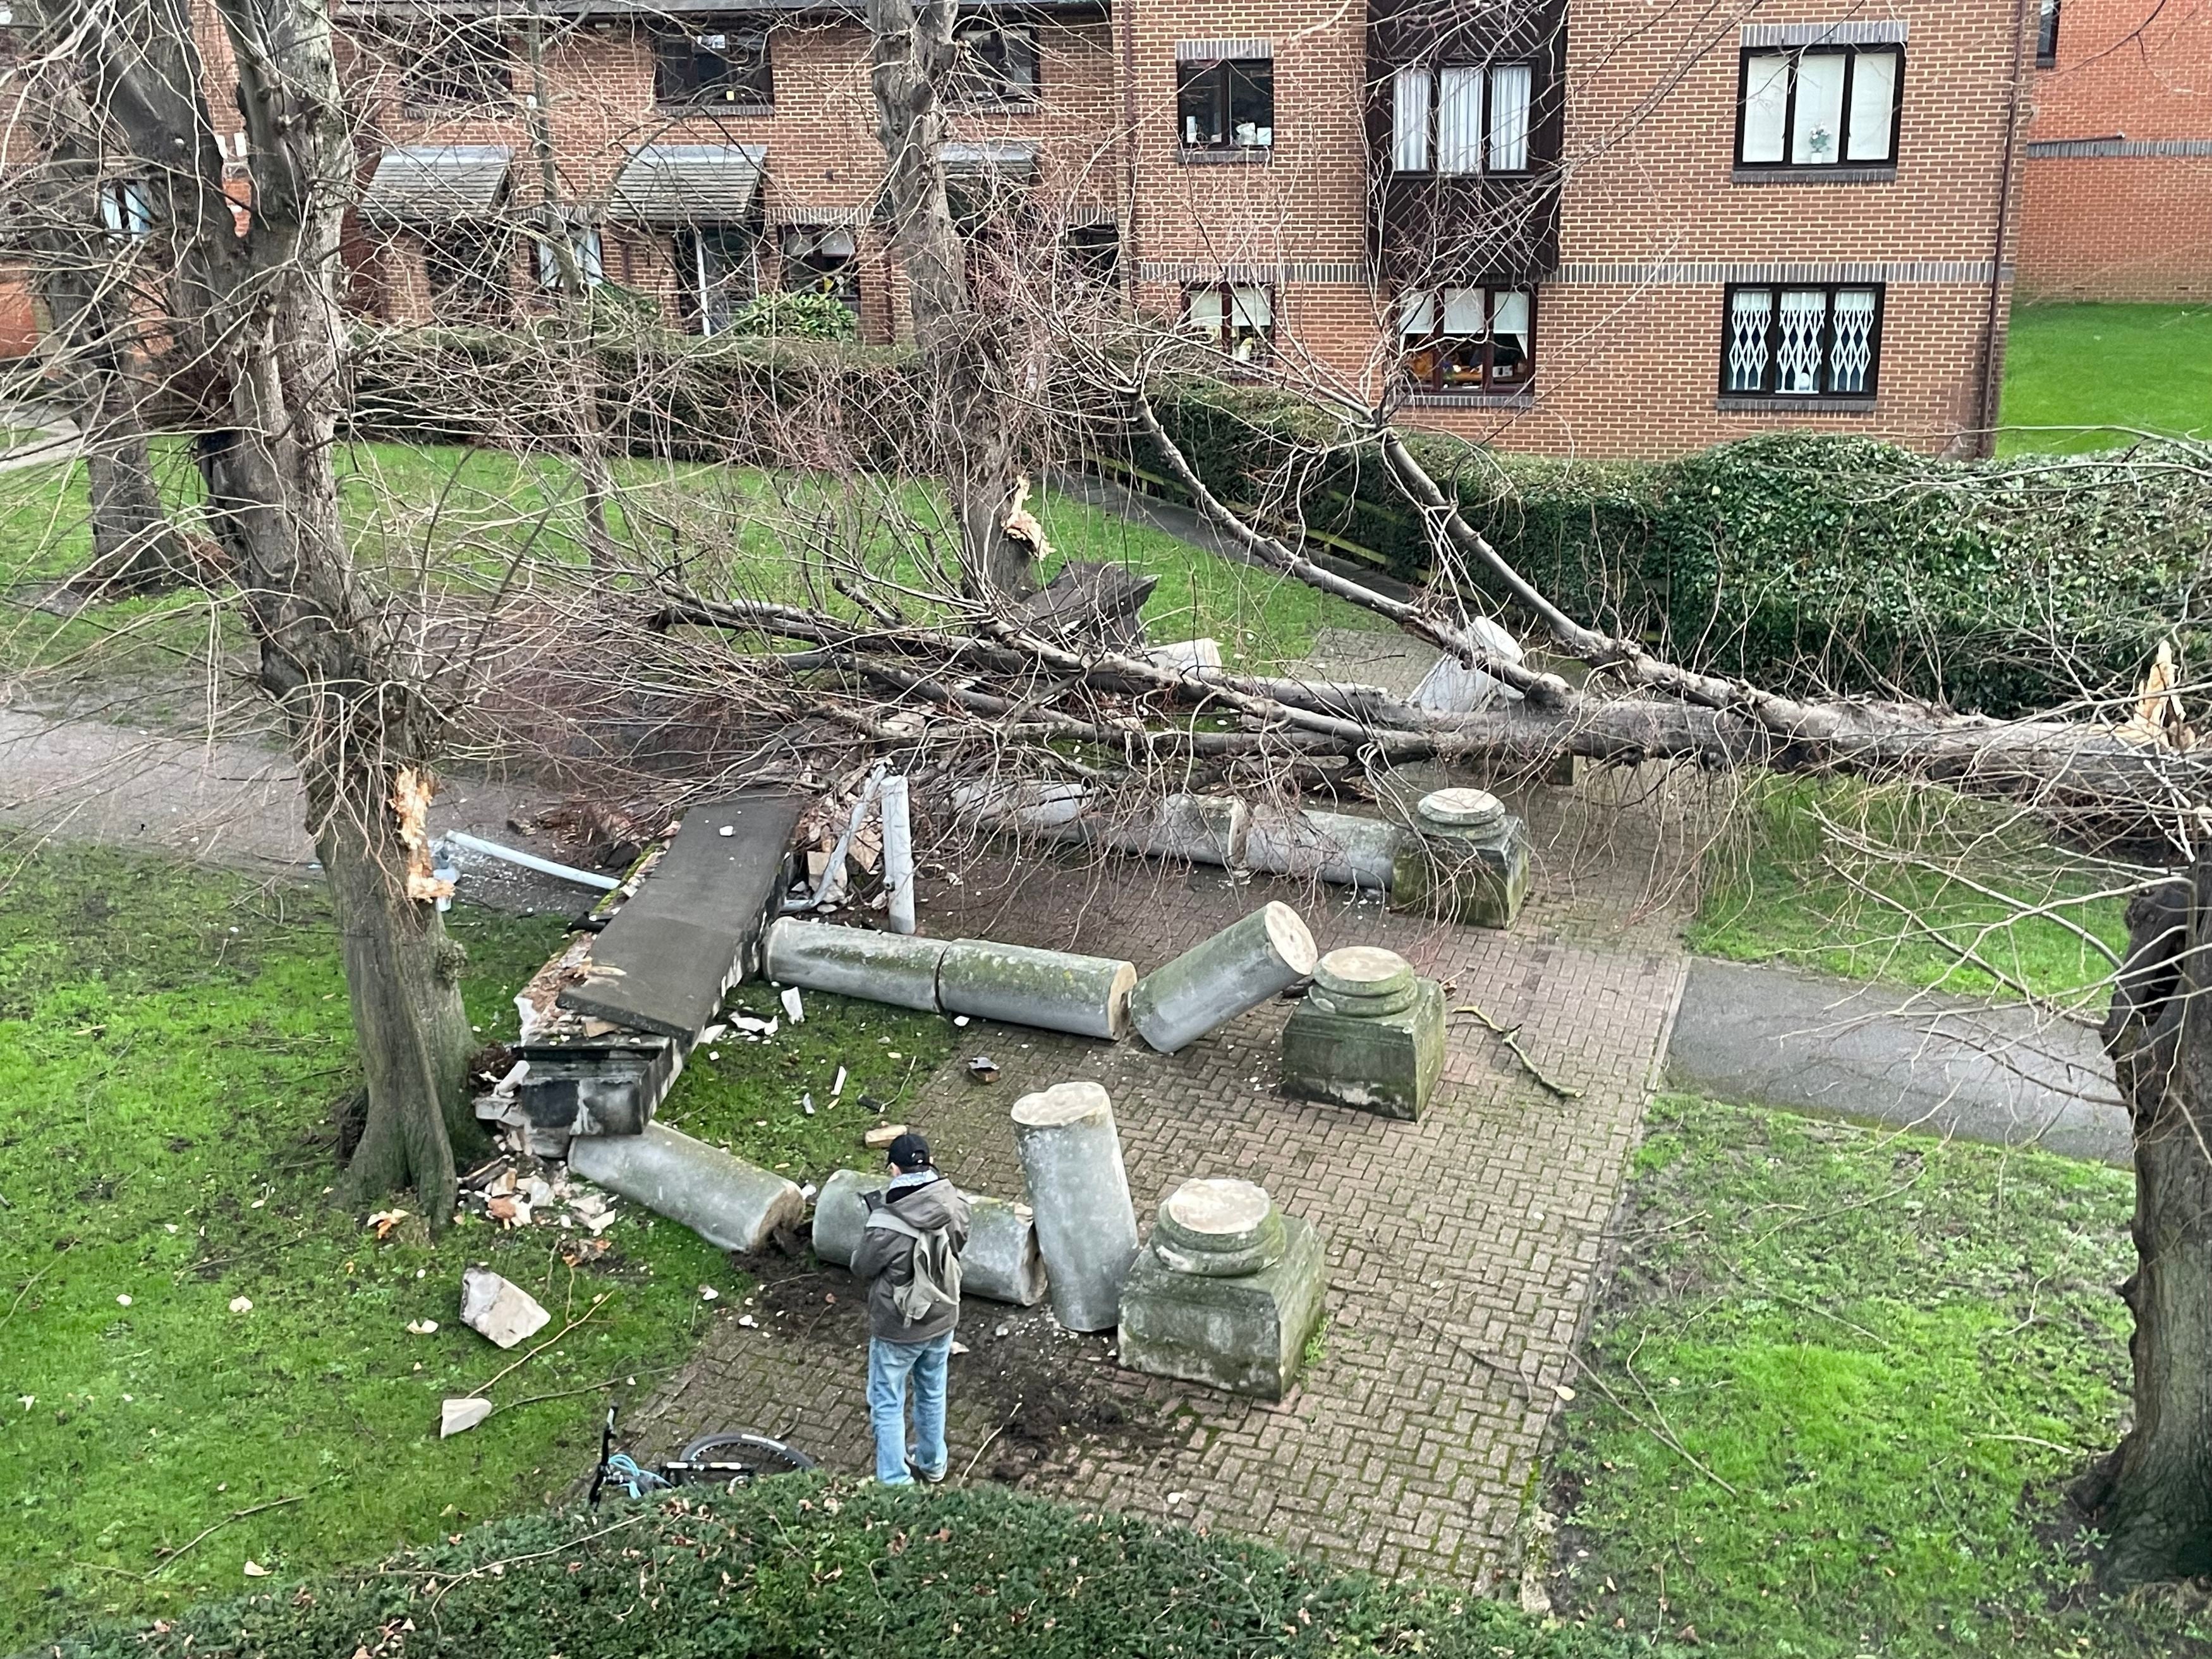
point(910, 1151)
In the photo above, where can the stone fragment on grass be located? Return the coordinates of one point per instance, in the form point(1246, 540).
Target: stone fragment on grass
point(499, 1309)
point(458, 1416)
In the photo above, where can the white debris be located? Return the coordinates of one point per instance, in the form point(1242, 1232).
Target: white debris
point(806, 1104)
point(421, 1327)
point(749, 1322)
point(838, 1087)
point(460, 1415)
point(241, 1304)
point(255, 1569)
point(501, 1311)
point(959, 1019)
point(709, 1293)
point(727, 830)
point(713, 1033)
point(792, 1006)
point(122, 1301)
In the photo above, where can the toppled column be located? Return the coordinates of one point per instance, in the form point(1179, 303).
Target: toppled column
point(1370, 1034)
point(854, 961)
point(1086, 1227)
point(1210, 984)
point(1052, 990)
point(1315, 846)
point(732, 1203)
point(1466, 861)
point(1228, 1293)
point(1000, 1264)
point(898, 854)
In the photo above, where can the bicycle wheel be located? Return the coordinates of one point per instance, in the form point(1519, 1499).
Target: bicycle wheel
point(724, 1458)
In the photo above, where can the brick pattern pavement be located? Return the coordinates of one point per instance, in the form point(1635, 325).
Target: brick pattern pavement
point(1464, 1250)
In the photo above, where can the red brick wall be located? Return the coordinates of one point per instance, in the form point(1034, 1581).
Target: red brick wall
point(2130, 225)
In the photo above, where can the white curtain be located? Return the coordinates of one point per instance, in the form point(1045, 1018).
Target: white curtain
point(1409, 120)
point(1459, 119)
point(1464, 317)
point(1766, 105)
point(1817, 139)
point(1509, 319)
point(1417, 314)
point(1874, 101)
point(1509, 118)
point(1255, 307)
point(1205, 313)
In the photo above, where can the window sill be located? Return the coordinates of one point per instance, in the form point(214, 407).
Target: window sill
point(1736, 404)
point(1257, 155)
point(1885, 174)
point(1519, 398)
point(994, 106)
point(687, 109)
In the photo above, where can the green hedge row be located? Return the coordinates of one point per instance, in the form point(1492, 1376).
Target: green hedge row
point(803, 1565)
point(1804, 562)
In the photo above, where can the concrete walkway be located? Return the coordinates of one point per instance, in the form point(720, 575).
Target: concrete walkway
point(2006, 1074)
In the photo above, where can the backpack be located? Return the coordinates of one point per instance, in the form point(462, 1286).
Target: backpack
point(936, 1281)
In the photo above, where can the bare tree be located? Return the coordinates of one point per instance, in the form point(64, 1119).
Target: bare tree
point(259, 289)
point(968, 350)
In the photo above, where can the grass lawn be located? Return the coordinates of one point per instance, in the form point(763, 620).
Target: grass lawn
point(173, 1043)
point(2144, 366)
point(1774, 894)
point(1898, 1352)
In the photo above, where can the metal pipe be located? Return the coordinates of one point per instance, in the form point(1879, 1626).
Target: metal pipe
point(531, 861)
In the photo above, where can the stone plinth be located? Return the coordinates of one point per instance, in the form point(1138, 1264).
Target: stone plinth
point(1370, 1034)
point(1467, 861)
point(1228, 1293)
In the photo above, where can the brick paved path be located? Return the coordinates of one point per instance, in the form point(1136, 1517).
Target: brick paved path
point(1462, 1249)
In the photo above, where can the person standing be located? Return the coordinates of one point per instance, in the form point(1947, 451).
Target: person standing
point(910, 1260)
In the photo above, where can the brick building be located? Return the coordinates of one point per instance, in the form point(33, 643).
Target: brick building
point(1595, 226)
point(2118, 198)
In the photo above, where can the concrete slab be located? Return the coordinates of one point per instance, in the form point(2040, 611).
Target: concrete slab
point(2006, 1074)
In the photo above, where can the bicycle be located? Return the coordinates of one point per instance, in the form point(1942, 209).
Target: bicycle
point(729, 1460)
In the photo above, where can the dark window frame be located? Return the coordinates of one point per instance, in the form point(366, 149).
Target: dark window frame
point(688, 74)
point(1093, 252)
point(1488, 386)
point(842, 281)
point(1489, 67)
point(1190, 72)
point(1767, 387)
point(1850, 55)
point(2046, 33)
point(468, 67)
point(1225, 342)
point(126, 209)
point(687, 251)
point(471, 260)
point(981, 81)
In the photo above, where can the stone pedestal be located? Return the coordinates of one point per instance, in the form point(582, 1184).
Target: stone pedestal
point(1211, 983)
point(1086, 1227)
point(1370, 1034)
point(1228, 1293)
point(1466, 861)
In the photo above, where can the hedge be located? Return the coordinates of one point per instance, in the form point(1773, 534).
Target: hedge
point(1806, 562)
point(807, 1565)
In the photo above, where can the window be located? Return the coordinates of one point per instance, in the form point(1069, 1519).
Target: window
point(1094, 252)
point(1819, 106)
point(716, 272)
point(466, 265)
point(714, 67)
point(589, 259)
point(817, 260)
point(1467, 339)
point(2046, 35)
point(467, 64)
point(998, 63)
point(125, 209)
point(1226, 104)
point(1461, 118)
point(1240, 321)
point(1801, 342)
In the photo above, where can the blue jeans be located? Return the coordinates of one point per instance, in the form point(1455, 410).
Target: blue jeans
point(889, 1364)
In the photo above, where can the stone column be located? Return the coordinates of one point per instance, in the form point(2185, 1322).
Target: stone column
point(1468, 859)
point(1052, 990)
point(732, 1203)
point(1086, 1226)
point(1210, 984)
point(898, 855)
point(853, 961)
point(1228, 1294)
point(1000, 1264)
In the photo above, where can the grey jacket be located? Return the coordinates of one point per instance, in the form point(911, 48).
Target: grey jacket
point(885, 1259)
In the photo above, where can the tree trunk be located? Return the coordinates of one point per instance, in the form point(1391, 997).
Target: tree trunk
point(966, 349)
point(261, 305)
point(2153, 1495)
point(84, 277)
